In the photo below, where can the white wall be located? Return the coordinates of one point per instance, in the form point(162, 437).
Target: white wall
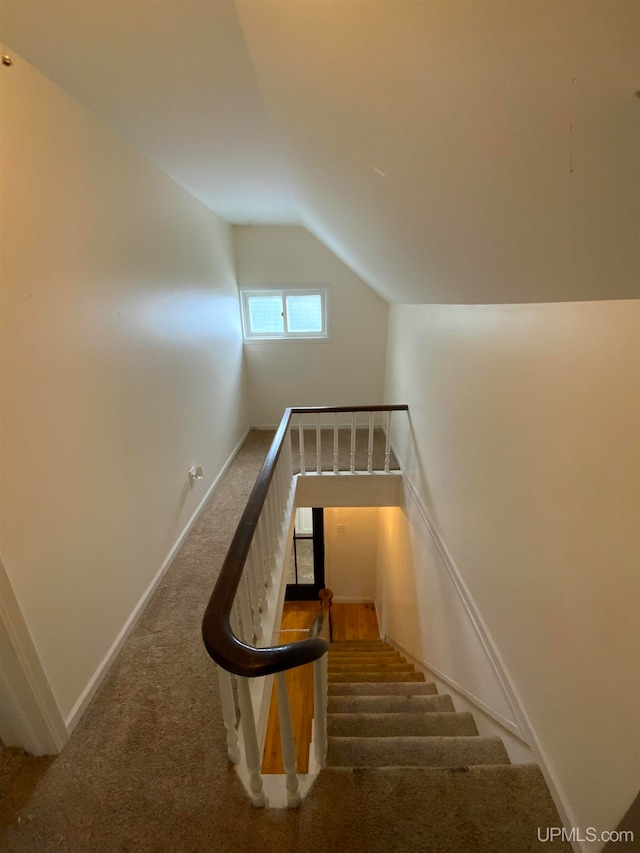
point(350, 552)
point(423, 610)
point(348, 369)
point(122, 368)
point(524, 450)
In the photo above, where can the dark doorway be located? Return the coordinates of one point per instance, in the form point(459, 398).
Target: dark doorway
point(306, 571)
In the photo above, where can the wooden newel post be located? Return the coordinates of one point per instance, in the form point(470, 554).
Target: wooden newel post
point(326, 598)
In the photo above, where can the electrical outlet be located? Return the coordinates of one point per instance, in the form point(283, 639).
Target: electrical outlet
point(195, 473)
point(341, 528)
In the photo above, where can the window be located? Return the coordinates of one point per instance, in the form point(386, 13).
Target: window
point(281, 314)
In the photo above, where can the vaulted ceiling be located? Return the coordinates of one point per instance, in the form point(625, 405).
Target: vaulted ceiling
point(471, 151)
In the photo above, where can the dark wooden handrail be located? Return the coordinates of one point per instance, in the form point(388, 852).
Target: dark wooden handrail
point(220, 641)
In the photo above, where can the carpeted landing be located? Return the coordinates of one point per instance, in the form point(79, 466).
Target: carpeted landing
point(146, 769)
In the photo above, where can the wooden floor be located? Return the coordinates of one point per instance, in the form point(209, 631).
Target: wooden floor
point(354, 622)
point(348, 622)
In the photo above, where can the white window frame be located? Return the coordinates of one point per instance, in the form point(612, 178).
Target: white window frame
point(251, 337)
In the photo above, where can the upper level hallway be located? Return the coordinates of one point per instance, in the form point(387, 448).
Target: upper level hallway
point(146, 769)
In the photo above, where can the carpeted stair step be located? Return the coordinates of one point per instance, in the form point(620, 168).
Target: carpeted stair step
point(477, 809)
point(365, 657)
point(415, 751)
point(382, 725)
point(373, 677)
point(382, 688)
point(374, 666)
point(395, 703)
point(383, 649)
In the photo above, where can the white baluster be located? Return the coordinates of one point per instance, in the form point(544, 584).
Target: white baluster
point(258, 581)
point(335, 442)
point(265, 541)
point(318, 445)
point(370, 446)
point(301, 444)
point(277, 506)
point(387, 447)
point(288, 454)
point(270, 522)
point(288, 467)
point(288, 741)
point(251, 749)
point(254, 595)
point(352, 466)
point(276, 485)
point(245, 610)
point(261, 560)
point(282, 492)
point(234, 621)
point(320, 679)
point(229, 714)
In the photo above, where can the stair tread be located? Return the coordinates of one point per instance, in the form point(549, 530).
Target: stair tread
point(361, 657)
point(370, 666)
point(384, 703)
point(407, 751)
point(479, 808)
point(382, 688)
point(375, 725)
point(378, 675)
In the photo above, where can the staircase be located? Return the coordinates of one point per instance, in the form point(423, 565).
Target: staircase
point(422, 766)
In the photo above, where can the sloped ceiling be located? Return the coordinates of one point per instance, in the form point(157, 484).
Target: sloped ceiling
point(176, 80)
point(447, 151)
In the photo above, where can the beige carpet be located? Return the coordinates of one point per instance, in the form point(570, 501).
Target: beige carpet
point(146, 768)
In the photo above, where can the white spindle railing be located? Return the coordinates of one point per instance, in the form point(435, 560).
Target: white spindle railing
point(229, 714)
point(387, 444)
point(265, 555)
point(370, 445)
point(307, 431)
point(287, 741)
point(320, 688)
point(301, 444)
point(352, 463)
point(252, 755)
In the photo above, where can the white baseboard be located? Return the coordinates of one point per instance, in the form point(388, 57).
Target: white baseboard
point(103, 668)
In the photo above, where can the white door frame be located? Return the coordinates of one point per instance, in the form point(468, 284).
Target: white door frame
point(29, 714)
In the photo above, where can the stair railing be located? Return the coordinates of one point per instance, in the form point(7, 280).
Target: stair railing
point(232, 627)
point(321, 628)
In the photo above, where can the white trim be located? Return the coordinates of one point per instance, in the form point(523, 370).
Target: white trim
point(525, 728)
point(475, 700)
point(104, 666)
point(282, 292)
point(29, 706)
point(475, 618)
